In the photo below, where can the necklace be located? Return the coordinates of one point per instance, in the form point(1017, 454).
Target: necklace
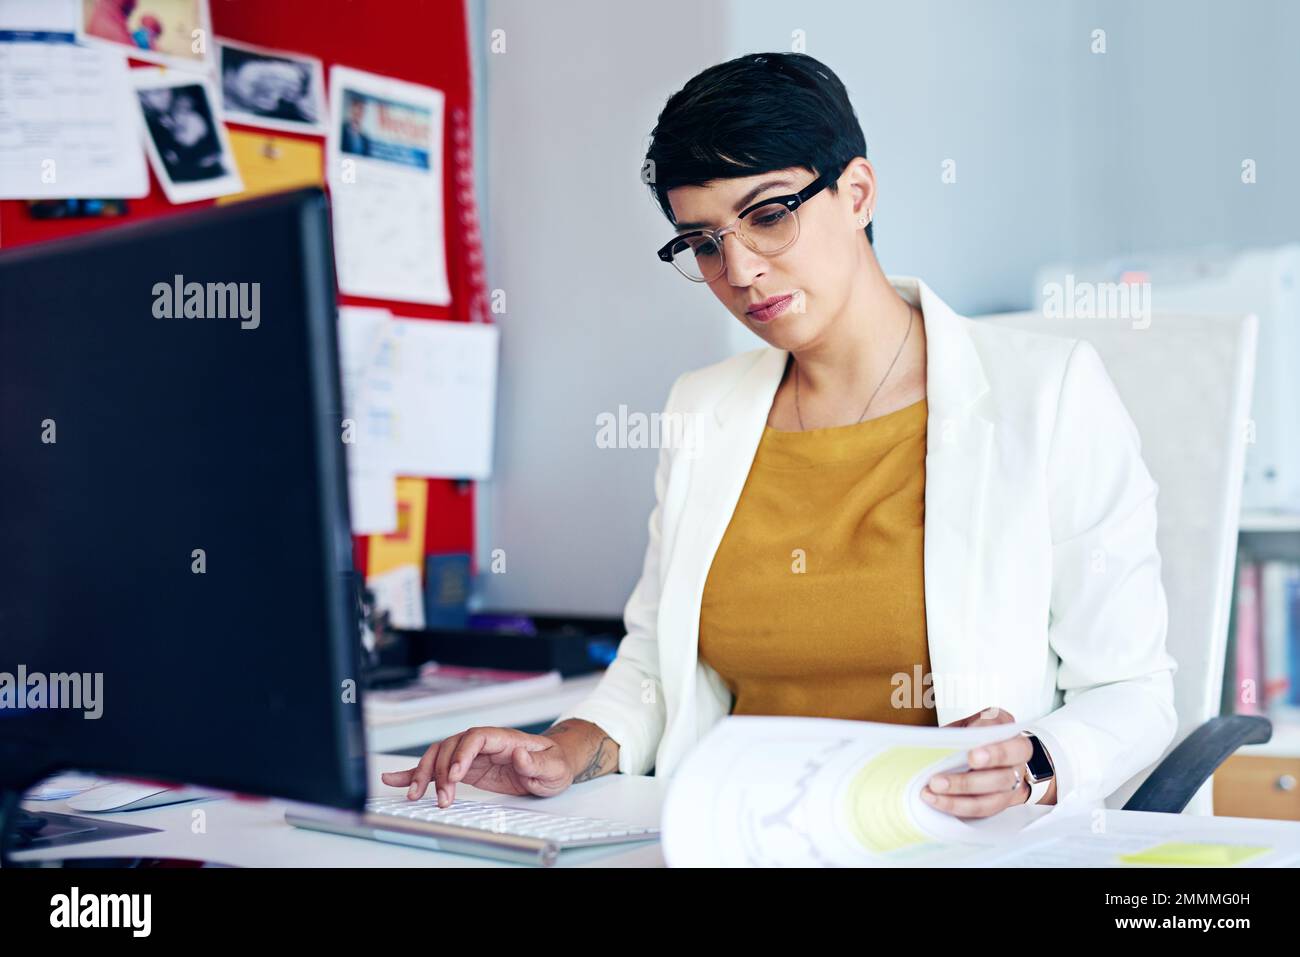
point(911, 317)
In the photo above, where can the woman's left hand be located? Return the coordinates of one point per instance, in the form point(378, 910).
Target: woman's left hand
point(987, 788)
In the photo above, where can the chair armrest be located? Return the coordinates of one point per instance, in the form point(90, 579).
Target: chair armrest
point(1176, 779)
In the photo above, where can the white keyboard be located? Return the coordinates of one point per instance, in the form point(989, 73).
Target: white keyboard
point(506, 819)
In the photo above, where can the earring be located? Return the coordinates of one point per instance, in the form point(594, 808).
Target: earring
point(863, 220)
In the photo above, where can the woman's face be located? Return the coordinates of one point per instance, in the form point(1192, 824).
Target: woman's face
point(816, 270)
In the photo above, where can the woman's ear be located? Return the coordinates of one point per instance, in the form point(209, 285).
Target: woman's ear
point(857, 186)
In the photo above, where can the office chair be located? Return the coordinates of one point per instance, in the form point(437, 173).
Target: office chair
point(1186, 381)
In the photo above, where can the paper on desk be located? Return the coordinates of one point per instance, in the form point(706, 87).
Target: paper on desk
point(762, 791)
point(1110, 838)
point(68, 125)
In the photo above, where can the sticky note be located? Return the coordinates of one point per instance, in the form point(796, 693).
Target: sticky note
point(406, 545)
point(271, 164)
point(1189, 854)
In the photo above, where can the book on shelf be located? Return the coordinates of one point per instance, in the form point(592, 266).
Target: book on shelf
point(1263, 675)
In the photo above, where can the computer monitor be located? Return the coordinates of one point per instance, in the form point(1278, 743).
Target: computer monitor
point(173, 507)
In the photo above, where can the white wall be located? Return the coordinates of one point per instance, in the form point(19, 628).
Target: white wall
point(1189, 89)
point(593, 319)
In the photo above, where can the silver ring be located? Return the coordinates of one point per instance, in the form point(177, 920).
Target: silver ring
point(1016, 786)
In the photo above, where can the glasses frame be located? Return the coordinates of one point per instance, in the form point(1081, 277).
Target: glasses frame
point(790, 201)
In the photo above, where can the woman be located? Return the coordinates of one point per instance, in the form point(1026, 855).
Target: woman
point(889, 512)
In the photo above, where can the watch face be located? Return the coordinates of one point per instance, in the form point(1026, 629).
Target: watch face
point(1040, 765)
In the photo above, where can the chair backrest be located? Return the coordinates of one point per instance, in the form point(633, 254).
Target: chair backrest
point(1186, 381)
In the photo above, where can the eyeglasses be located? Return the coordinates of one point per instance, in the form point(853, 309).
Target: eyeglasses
point(769, 226)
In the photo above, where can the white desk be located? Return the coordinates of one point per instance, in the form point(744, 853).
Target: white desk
point(253, 833)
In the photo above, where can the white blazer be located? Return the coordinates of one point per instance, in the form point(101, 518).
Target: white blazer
point(1042, 577)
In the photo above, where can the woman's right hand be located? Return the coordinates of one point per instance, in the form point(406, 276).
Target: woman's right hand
point(494, 759)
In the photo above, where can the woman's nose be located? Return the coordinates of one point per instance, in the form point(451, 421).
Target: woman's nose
point(743, 264)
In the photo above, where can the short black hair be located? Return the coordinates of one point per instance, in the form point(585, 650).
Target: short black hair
point(750, 115)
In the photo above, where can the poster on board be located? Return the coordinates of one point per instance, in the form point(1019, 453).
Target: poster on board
point(384, 156)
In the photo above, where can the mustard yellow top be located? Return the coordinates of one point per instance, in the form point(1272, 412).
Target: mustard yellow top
point(815, 601)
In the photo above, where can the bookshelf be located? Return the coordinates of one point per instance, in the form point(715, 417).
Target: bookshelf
point(1263, 780)
point(1272, 536)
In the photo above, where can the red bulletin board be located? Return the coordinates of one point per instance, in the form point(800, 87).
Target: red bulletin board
point(420, 41)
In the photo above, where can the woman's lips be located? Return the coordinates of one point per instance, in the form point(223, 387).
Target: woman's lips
point(770, 312)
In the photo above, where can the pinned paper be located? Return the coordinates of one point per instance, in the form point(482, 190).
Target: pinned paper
point(442, 381)
point(420, 392)
point(372, 474)
point(68, 127)
point(273, 164)
point(398, 593)
point(386, 187)
point(406, 545)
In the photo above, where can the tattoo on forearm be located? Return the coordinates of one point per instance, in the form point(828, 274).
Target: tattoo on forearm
point(594, 767)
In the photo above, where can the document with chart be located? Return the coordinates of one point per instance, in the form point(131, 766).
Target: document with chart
point(761, 791)
point(815, 792)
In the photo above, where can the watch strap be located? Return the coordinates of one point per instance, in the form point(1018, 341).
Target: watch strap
point(1038, 787)
point(1038, 790)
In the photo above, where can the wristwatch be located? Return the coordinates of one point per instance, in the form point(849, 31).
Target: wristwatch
point(1040, 770)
